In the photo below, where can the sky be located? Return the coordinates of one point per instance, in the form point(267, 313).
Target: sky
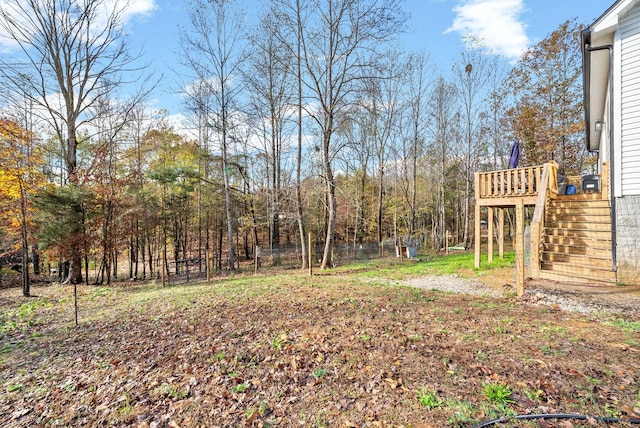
point(437, 27)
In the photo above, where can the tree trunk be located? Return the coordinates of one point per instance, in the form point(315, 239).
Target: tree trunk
point(299, 213)
point(327, 257)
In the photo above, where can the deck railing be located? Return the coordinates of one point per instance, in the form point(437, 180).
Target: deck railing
point(509, 182)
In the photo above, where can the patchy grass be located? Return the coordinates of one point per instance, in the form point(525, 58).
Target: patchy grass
point(348, 347)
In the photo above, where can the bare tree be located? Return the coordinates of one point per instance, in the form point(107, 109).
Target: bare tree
point(381, 102)
point(271, 80)
point(71, 54)
point(213, 51)
point(338, 49)
point(471, 75)
point(442, 130)
point(293, 16)
point(413, 129)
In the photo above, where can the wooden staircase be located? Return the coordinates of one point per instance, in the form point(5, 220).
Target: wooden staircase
point(576, 246)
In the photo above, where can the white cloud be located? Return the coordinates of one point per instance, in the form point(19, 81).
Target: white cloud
point(139, 7)
point(133, 9)
point(495, 23)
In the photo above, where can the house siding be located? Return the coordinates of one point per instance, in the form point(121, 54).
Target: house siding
point(629, 166)
point(628, 240)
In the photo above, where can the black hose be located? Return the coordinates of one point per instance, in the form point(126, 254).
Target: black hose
point(557, 416)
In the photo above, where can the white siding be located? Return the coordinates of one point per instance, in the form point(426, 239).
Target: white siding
point(629, 168)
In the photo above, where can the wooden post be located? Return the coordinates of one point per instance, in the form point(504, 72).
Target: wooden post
point(75, 302)
point(446, 242)
point(164, 268)
point(534, 263)
point(501, 232)
point(208, 263)
point(520, 248)
point(490, 235)
point(255, 260)
point(478, 233)
point(310, 255)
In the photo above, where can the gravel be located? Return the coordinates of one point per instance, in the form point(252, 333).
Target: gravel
point(453, 284)
point(586, 300)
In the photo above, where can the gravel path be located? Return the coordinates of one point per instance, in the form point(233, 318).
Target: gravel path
point(575, 298)
point(453, 284)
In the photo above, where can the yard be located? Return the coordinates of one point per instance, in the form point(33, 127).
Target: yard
point(350, 347)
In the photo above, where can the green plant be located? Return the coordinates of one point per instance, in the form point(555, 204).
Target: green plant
point(610, 411)
point(497, 393)
point(482, 355)
point(593, 380)
point(628, 326)
point(165, 390)
point(241, 387)
point(125, 408)
point(218, 356)
point(533, 395)
point(14, 387)
point(279, 341)
point(546, 349)
point(462, 412)
point(319, 373)
point(429, 398)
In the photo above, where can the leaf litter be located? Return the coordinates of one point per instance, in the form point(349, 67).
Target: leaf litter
point(287, 351)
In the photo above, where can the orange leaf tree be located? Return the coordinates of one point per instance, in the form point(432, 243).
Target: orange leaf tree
point(20, 177)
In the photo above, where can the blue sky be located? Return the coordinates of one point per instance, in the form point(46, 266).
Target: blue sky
point(508, 27)
point(435, 26)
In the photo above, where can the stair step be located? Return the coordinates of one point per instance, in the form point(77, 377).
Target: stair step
point(579, 233)
point(565, 205)
point(578, 260)
point(574, 270)
point(580, 197)
point(578, 217)
point(598, 249)
point(578, 241)
point(581, 225)
point(561, 277)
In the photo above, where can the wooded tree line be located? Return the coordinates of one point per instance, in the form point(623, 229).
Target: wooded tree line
point(312, 121)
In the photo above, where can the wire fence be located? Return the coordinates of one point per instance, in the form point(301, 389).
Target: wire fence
point(285, 257)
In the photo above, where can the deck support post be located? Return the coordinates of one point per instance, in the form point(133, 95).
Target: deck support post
point(501, 232)
point(477, 231)
point(490, 235)
point(519, 248)
point(478, 237)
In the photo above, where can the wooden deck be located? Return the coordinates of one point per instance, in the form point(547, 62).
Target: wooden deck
point(506, 187)
point(554, 214)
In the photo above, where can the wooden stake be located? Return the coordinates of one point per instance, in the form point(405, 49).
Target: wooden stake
point(208, 262)
point(164, 268)
point(256, 257)
point(446, 242)
point(310, 255)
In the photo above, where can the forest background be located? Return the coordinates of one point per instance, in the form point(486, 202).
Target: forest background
point(309, 123)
